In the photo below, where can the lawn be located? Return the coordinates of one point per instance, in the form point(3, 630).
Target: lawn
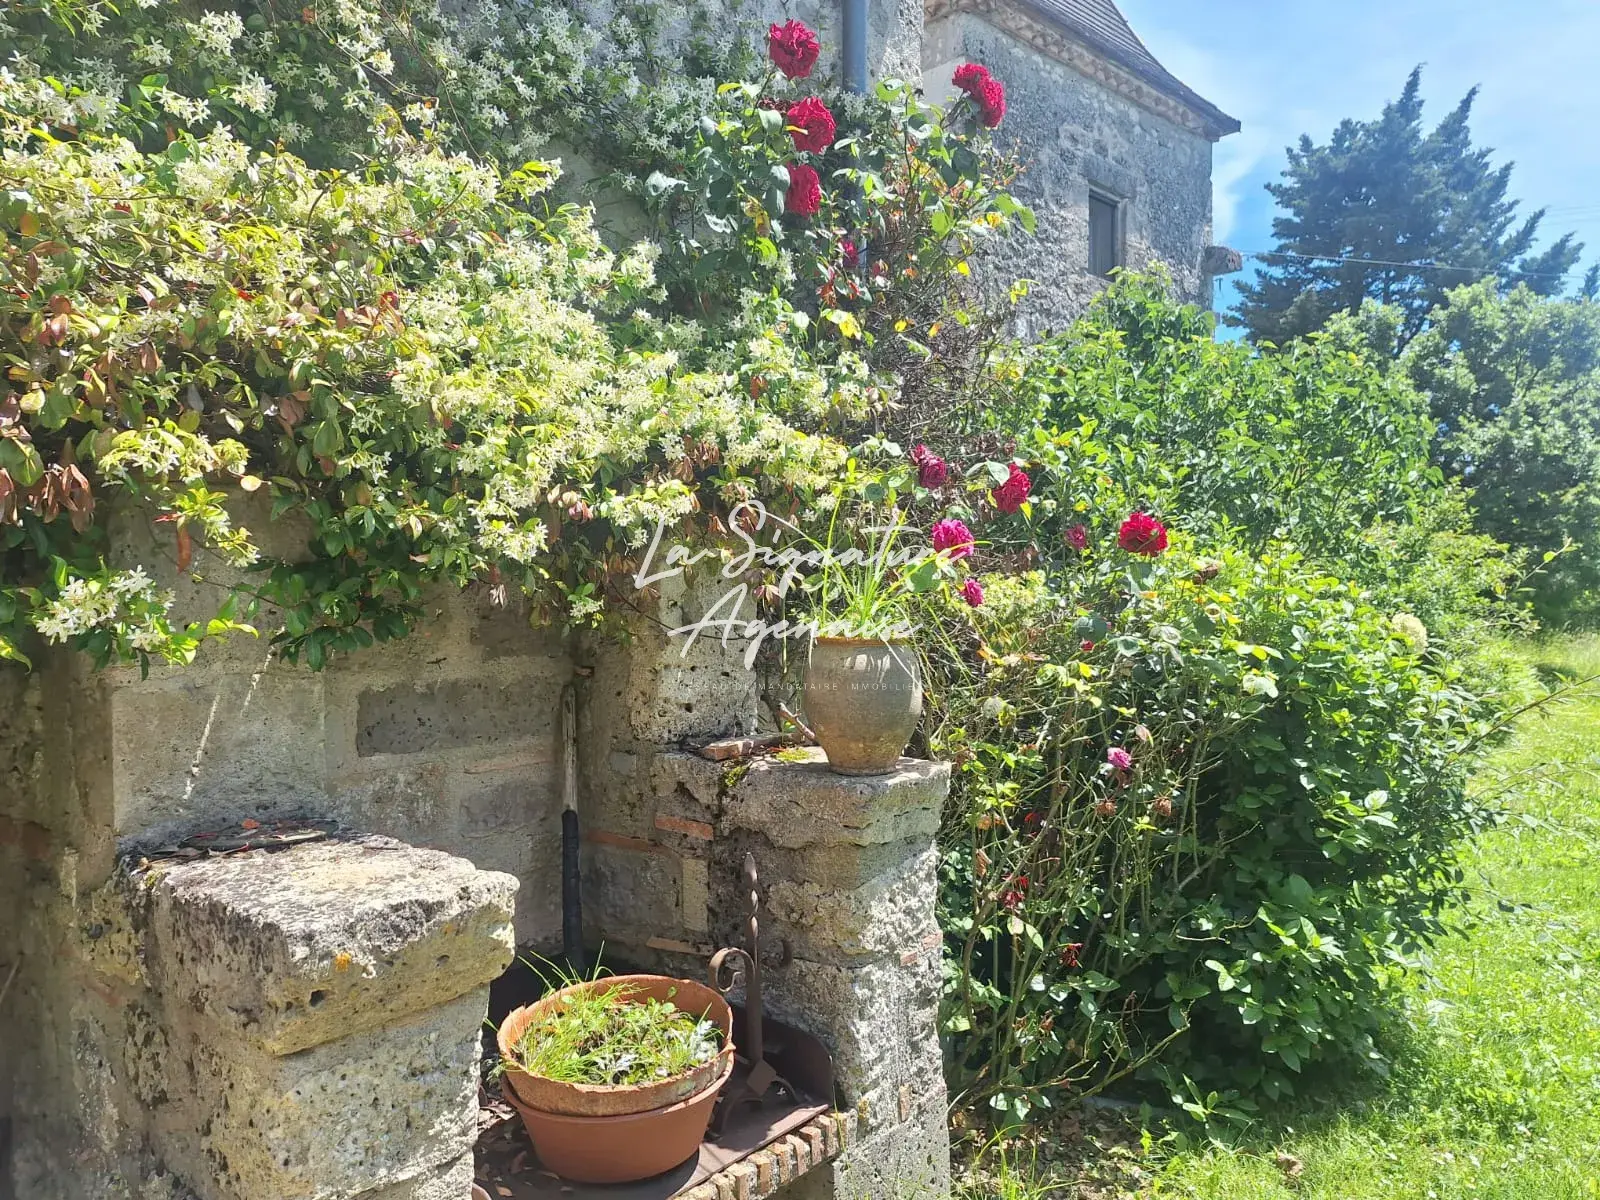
point(1496, 1092)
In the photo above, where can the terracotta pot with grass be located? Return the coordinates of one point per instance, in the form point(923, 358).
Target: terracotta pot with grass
point(616, 1078)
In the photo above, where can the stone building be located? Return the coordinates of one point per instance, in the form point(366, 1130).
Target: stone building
point(1116, 150)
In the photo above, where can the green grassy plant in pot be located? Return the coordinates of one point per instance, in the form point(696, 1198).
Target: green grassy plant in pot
point(863, 681)
point(615, 1078)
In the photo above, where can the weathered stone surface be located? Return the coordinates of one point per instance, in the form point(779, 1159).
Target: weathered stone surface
point(632, 894)
point(804, 803)
point(886, 915)
point(452, 1181)
point(414, 718)
point(293, 949)
point(1074, 134)
point(195, 751)
point(378, 1110)
point(910, 1159)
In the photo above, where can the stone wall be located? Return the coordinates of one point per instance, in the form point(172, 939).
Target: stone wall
point(446, 739)
point(1072, 134)
point(154, 1008)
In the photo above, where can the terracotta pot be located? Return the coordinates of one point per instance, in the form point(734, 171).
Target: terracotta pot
point(625, 1148)
point(590, 1100)
point(863, 697)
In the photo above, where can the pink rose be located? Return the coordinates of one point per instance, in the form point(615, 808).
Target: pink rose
point(953, 536)
point(972, 592)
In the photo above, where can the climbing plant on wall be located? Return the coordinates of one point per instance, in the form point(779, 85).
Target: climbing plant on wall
point(416, 347)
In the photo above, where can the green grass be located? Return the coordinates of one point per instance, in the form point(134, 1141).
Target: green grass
point(1496, 1089)
point(1496, 1096)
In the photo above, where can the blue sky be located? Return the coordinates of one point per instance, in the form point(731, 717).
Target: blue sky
point(1286, 67)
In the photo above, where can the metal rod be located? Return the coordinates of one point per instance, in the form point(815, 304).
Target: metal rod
point(853, 50)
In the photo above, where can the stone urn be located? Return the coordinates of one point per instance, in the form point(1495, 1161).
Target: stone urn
point(863, 698)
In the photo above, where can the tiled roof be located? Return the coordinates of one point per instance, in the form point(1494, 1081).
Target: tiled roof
point(1101, 25)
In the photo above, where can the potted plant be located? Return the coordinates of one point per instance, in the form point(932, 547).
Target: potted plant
point(615, 1078)
point(862, 692)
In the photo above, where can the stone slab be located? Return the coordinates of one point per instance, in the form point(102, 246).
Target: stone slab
point(293, 949)
point(797, 804)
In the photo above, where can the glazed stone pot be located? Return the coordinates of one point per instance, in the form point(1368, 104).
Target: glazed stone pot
point(863, 698)
point(596, 1134)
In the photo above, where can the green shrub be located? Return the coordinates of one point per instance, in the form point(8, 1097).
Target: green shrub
point(1321, 447)
point(1232, 908)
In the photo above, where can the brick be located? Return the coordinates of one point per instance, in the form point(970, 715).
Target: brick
point(830, 1134)
point(699, 830)
point(744, 1181)
point(802, 1153)
point(814, 1143)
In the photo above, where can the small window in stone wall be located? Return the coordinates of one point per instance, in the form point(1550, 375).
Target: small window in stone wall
point(1105, 234)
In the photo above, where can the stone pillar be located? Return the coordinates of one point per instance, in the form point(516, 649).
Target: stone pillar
point(315, 1019)
point(848, 870)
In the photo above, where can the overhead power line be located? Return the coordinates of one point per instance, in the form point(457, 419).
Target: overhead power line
point(1273, 255)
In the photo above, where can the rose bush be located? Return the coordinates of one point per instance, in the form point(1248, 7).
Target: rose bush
point(1235, 796)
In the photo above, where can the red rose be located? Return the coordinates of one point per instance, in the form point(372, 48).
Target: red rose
point(970, 77)
point(849, 252)
point(1142, 534)
point(1070, 952)
point(954, 536)
point(991, 100)
point(932, 470)
point(1078, 538)
point(1008, 497)
point(805, 190)
point(793, 48)
point(810, 125)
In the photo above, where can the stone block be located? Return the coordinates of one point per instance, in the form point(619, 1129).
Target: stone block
point(294, 949)
point(392, 1111)
point(198, 751)
point(878, 1019)
point(795, 804)
point(695, 895)
point(910, 1159)
point(412, 718)
point(887, 915)
point(631, 889)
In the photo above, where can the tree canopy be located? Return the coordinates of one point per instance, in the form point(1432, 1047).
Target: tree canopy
point(1382, 196)
point(1514, 383)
